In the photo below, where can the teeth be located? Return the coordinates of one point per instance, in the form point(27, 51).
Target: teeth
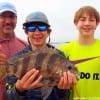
point(87, 29)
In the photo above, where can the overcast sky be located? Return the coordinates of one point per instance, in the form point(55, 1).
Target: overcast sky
point(59, 12)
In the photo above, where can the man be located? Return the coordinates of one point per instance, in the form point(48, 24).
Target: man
point(85, 52)
point(38, 29)
point(9, 43)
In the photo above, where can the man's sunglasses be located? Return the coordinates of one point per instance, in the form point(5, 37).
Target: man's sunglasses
point(32, 28)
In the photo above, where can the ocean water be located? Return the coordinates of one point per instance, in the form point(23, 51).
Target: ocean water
point(58, 44)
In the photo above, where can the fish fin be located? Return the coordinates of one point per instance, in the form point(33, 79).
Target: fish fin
point(46, 91)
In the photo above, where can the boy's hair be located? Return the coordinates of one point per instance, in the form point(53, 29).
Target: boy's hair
point(89, 10)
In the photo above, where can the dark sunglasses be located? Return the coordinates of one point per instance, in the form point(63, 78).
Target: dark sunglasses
point(33, 28)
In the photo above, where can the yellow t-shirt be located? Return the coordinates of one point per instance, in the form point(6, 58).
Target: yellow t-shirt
point(87, 59)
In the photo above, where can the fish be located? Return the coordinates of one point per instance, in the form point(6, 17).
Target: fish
point(50, 63)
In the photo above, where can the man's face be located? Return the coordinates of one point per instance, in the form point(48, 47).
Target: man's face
point(8, 22)
point(38, 34)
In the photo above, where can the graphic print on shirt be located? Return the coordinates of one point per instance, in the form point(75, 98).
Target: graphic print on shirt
point(83, 75)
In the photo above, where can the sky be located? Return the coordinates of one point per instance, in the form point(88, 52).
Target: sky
point(60, 14)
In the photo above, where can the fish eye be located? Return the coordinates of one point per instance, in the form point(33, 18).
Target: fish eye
point(69, 67)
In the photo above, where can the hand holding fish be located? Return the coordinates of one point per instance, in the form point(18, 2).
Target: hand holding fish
point(29, 81)
point(3, 61)
point(67, 80)
point(3, 58)
point(51, 65)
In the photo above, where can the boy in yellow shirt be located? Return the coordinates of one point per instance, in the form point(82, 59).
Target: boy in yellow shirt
point(85, 53)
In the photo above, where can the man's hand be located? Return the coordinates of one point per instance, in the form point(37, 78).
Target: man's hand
point(3, 62)
point(3, 57)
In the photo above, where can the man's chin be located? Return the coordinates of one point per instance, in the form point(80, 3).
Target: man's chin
point(8, 32)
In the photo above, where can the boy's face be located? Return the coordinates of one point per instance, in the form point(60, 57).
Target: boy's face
point(86, 25)
point(38, 34)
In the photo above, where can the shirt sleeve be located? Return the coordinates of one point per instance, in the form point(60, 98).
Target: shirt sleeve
point(11, 92)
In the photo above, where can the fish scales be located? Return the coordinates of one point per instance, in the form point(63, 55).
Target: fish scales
point(50, 63)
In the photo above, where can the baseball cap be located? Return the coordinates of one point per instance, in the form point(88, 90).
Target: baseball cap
point(36, 17)
point(6, 6)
